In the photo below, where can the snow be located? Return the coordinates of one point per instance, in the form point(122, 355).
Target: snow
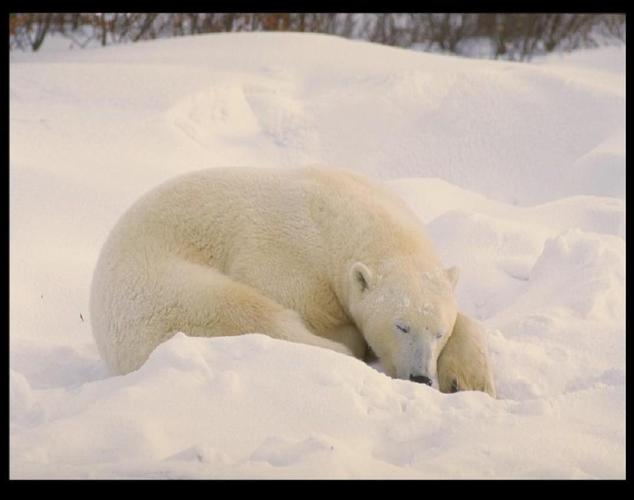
point(517, 170)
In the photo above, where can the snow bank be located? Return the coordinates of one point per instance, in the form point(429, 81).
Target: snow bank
point(190, 412)
point(512, 131)
point(517, 171)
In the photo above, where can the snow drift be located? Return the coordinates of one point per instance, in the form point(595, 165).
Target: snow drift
point(516, 169)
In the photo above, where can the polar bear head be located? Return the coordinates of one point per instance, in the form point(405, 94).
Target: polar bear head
point(406, 316)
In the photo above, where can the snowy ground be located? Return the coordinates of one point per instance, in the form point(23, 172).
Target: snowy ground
point(517, 169)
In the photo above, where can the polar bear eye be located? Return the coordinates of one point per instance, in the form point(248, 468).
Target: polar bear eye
point(439, 335)
point(402, 327)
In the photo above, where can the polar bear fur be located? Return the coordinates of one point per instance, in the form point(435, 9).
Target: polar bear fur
point(464, 364)
point(311, 255)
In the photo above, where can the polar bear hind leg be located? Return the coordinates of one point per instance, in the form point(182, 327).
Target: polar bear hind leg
point(200, 301)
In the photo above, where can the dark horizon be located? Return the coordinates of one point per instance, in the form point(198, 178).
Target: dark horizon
point(510, 36)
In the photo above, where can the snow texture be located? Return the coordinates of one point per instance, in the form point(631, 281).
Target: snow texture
point(517, 170)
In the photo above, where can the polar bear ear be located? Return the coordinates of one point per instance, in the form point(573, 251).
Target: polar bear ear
point(452, 274)
point(362, 277)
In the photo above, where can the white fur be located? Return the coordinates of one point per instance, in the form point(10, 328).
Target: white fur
point(464, 363)
point(312, 255)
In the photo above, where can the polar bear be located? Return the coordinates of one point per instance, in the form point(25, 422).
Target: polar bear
point(464, 364)
point(320, 256)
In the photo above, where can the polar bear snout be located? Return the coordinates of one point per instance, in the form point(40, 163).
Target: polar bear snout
point(421, 379)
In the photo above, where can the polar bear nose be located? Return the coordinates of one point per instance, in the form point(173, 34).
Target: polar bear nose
point(421, 379)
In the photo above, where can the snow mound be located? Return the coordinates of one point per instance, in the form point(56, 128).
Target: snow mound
point(515, 132)
point(252, 406)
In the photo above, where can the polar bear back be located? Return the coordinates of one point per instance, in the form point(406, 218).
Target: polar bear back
point(214, 216)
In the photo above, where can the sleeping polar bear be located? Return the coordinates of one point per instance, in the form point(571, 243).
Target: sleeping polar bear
point(313, 255)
